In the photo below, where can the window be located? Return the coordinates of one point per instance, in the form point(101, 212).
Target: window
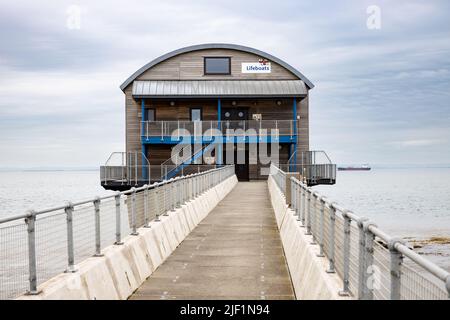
point(150, 116)
point(196, 114)
point(217, 65)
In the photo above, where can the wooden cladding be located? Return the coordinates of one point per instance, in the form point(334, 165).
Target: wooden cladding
point(190, 66)
point(268, 109)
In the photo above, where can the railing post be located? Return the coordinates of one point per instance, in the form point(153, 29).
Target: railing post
point(98, 243)
point(179, 193)
point(303, 199)
point(30, 220)
point(293, 204)
point(185, 190)
point(196, 186)
point(313, 215)
point(173, 196)
point(346, 256)
point(146, 215)
point(70, 245)
point(369, 239)
point(157, 207)
point(396, 258)
point(308, 220)
point(166, 208)
point(118, 222)
point(298, 200)
point(182, 188)
point(133, 212)
point(322, 227)
point(362, 276)
point(331, 254)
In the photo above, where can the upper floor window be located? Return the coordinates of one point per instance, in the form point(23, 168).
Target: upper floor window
point(151, 115)
point(196, 114)
point(217, 65)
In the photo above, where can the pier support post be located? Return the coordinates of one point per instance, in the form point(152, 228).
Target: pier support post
point(118, 222)
point(395, 266)
point(331, 254)
point(70, 245)
point(98, 243)
point(32, 263)
point(346, 256)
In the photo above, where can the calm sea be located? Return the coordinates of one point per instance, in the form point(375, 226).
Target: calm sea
point(24, 190)
point(412, 203)
point(404, 202)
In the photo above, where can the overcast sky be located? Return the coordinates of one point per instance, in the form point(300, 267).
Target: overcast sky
point(382, 96)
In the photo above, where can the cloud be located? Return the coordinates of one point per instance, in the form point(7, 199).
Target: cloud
point(381, 96)
point(418, 142)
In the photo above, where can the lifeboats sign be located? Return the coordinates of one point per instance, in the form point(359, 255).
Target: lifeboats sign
point(263, 66)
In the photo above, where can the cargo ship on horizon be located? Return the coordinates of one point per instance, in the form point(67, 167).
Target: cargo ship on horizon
point(364, 167)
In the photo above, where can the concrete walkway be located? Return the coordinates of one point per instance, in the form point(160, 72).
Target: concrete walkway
point(234, 253)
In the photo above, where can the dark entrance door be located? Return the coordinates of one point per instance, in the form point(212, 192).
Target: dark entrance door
point(235, 119)
point(238, 154)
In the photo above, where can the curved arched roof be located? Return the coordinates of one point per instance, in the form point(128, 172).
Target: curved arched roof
point(216, 46)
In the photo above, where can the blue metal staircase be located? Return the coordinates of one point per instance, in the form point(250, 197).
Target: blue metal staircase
point(174, 171)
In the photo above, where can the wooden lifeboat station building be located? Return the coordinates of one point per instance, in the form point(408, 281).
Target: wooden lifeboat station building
point(206, 88)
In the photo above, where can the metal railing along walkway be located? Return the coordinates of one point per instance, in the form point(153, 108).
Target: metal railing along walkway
point(38, 245)
point(371, 263)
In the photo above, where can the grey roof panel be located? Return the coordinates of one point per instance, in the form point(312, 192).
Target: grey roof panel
point(219, 88)
point(216, 46)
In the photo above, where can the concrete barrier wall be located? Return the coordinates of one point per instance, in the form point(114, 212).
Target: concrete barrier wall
point(307, 270)
point(123, 268)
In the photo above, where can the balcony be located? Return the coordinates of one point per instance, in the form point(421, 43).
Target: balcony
point(248, 131)
point(314, 167)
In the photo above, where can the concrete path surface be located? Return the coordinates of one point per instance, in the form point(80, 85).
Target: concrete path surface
point(234, 253)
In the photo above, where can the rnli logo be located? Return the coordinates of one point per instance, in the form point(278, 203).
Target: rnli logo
point(262, 66)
